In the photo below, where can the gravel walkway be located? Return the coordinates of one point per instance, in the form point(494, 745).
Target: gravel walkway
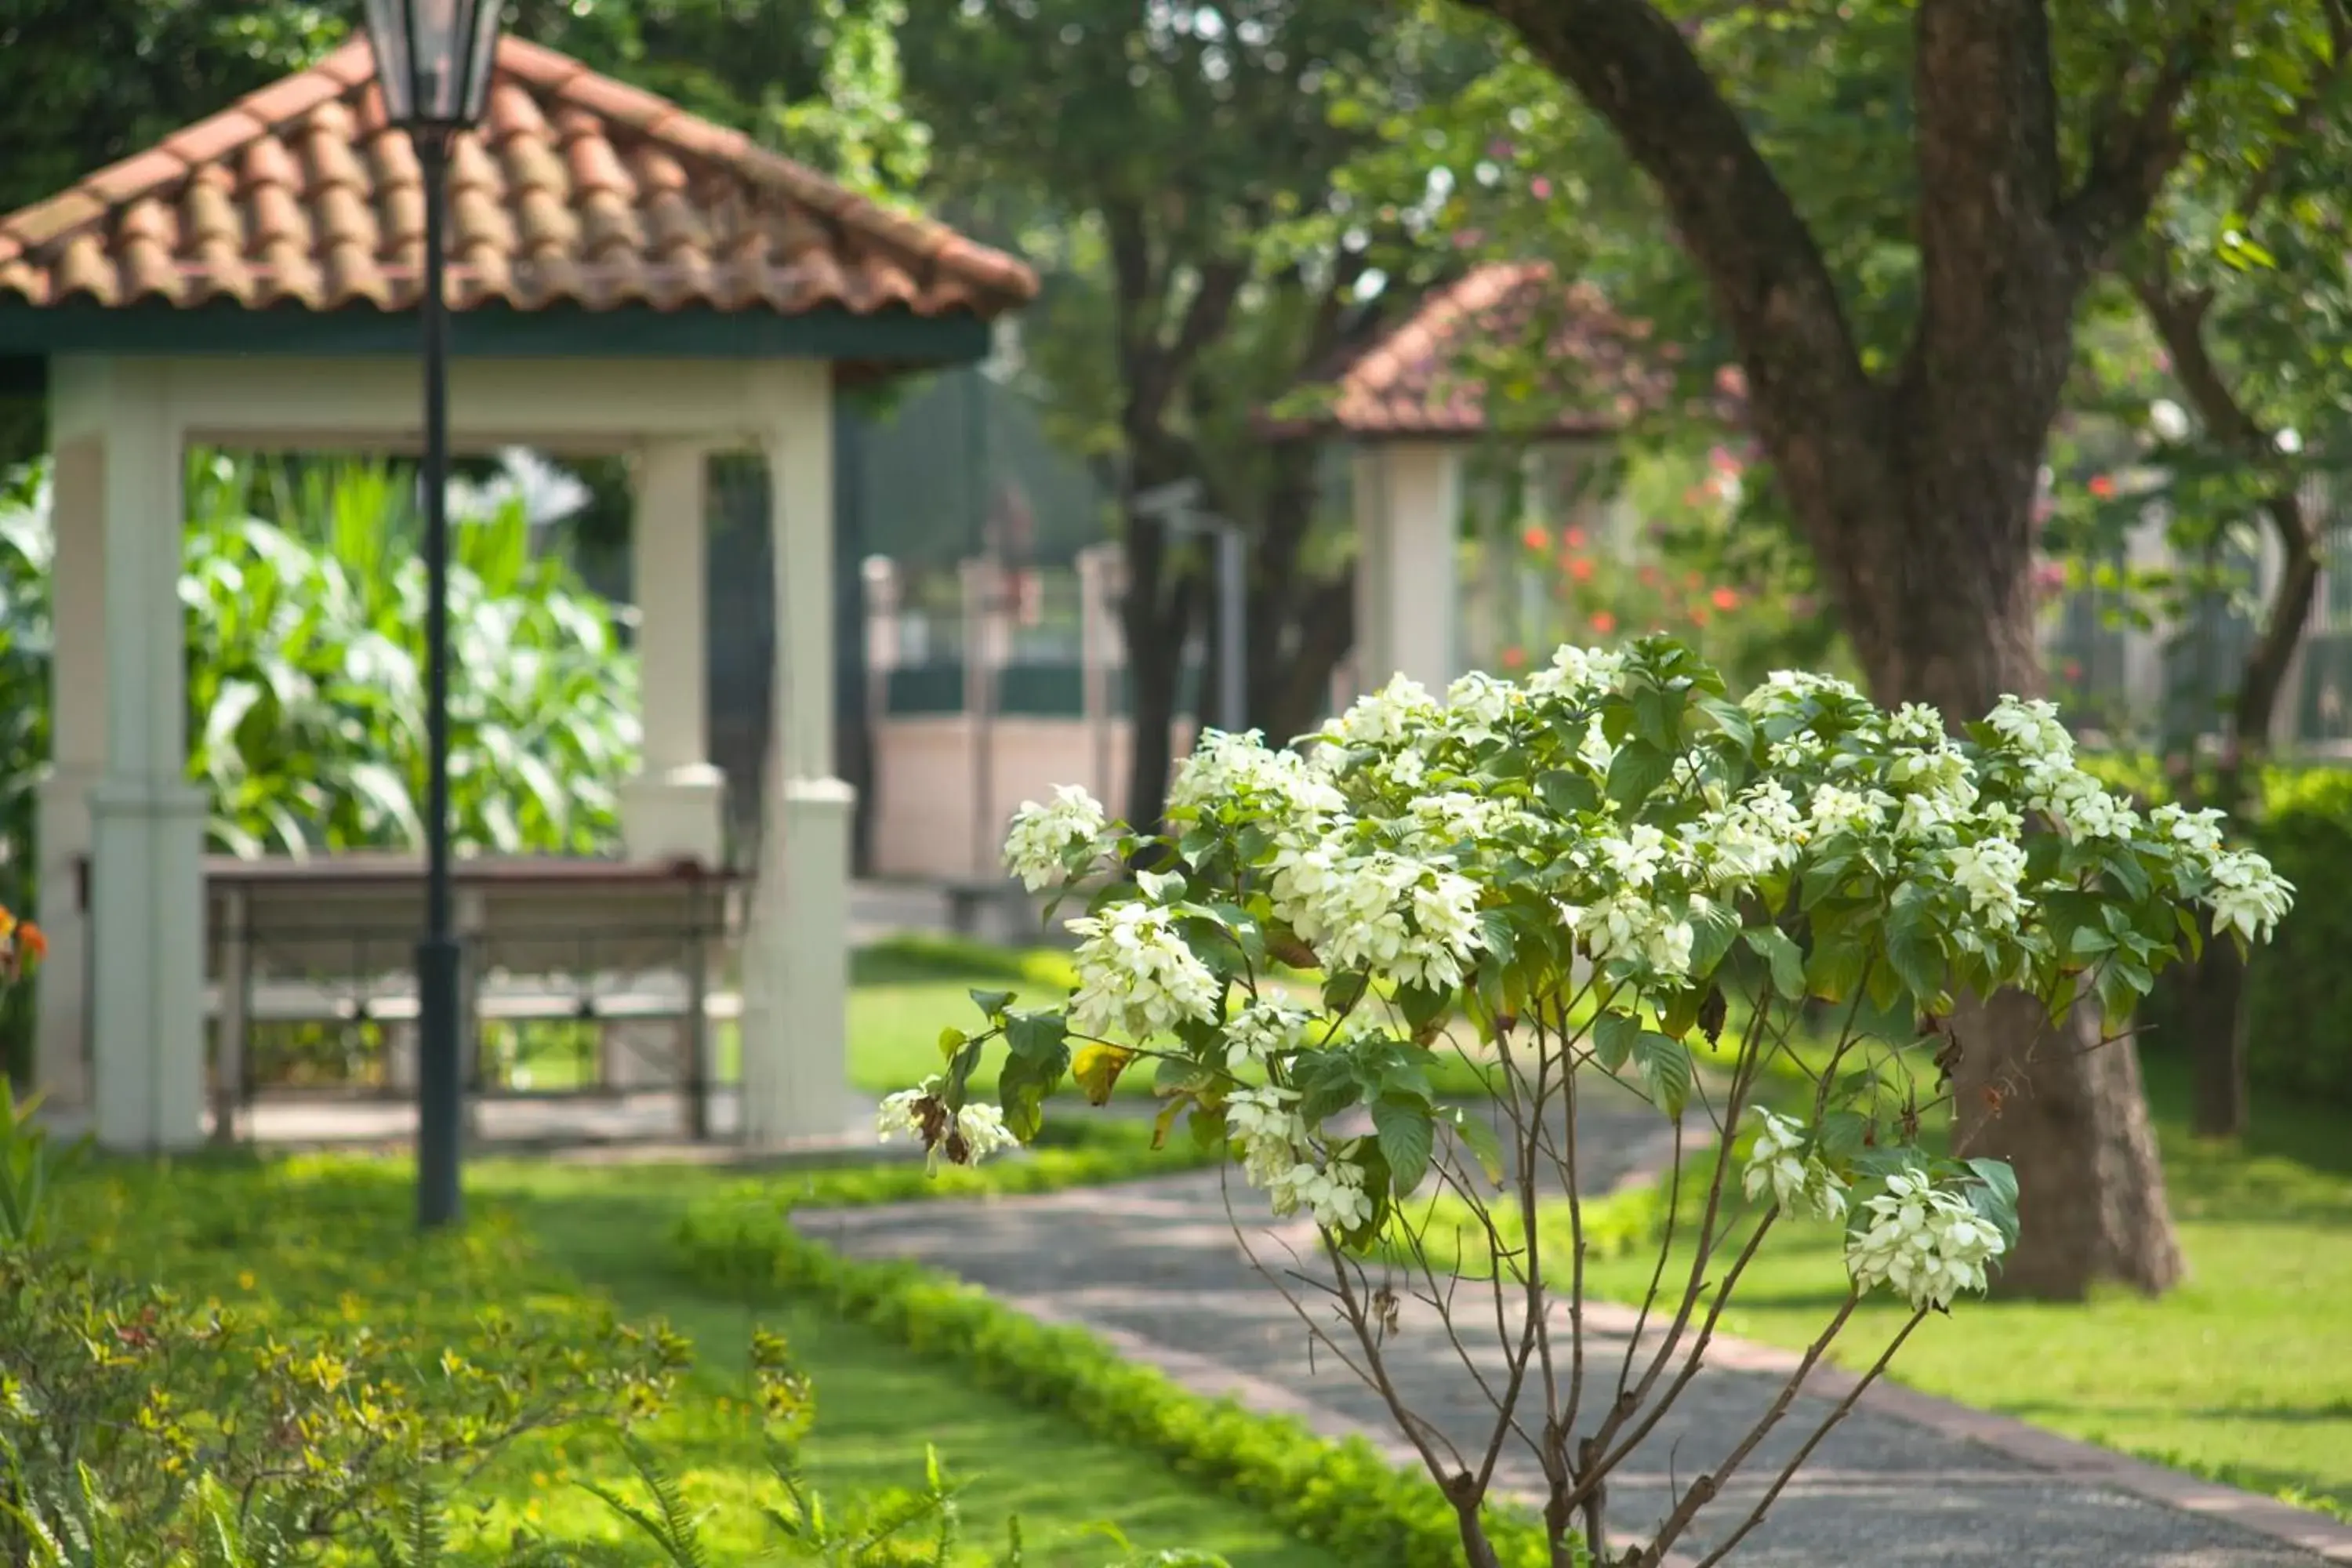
point(1905, 1482)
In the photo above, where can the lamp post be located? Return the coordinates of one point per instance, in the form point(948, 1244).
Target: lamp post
point(433, 62)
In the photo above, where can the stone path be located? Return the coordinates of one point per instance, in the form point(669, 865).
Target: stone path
point(1905, 1482)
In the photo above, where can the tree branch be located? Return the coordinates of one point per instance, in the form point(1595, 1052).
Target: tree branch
point(2136, 149)
point(1769, 283)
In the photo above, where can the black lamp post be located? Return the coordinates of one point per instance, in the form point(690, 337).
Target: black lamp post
point(433, 61)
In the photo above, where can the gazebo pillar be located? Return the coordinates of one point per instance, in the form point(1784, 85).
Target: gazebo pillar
point(1408, 507)
point(120, 786)
point(675, 807)
point(796, 957)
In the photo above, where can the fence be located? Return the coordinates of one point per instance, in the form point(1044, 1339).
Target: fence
point(2163, 685)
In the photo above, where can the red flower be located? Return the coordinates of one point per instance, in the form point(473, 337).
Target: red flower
point(1699, 617)
point(1580, 568)
point(2103, 487)
point(1534, 537)
point(1650, 577)
point(1576, 539)
point(1514, 658)
point(1604, 622)
point(2073, 669)
point(1726, 599)
point(1539, 188)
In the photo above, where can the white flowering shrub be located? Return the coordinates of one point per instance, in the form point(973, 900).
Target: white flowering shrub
point(1612, 871)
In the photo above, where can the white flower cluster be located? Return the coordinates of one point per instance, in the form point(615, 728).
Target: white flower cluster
point(1042, 835)
point(979, 1127)
point(1576, 672)
point(1477, 705)
point(1799, 1182)
point(1398, 711)
point(1227, 767)
point(1278, 1158)
point(1414, 922)
point(1137, 975)
point(2246, 895)
point(1267, 1031)
point(1927, 1243)
point(1992, 871)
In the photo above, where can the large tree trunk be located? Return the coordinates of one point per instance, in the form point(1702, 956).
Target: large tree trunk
point(2067, 1111)
point(1915, 487)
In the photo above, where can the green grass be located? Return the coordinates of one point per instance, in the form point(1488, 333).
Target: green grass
point(2242, 1374)
point(318, 1238)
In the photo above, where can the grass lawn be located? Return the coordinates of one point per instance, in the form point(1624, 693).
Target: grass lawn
point(2242, 1374)
point(313, 1238)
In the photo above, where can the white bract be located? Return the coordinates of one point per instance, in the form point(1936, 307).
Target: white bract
point(1043, 833)
point(1926, 1243)
point(1137, 976)
point(971, 1134)
point(1800, 1182)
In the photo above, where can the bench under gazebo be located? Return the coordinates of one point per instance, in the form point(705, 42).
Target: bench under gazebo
point(625, 279)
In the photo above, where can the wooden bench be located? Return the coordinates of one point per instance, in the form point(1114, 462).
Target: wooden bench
point(331, 940)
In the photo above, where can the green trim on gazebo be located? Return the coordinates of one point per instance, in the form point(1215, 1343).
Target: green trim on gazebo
point(895, 337)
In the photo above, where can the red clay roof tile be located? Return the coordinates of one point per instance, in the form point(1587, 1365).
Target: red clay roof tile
point(578, 189)
point(1425, 378)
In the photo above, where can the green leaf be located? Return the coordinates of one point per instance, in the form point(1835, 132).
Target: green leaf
point(959, 1069)
point(1911, 946)
point(1161, 887)
point(1665, 1067)
point(1037, 1036)
point(1613, 1035)
point(1638, 768)
point(951, 1040)
point(1844, 1134)
point(1405, 1134)
point(1343, 991)
point(1730, 718)
point(1994, 1196)
point(991, 1003)
point(1835, 967)
point(1479, 1137)
point(1775, 947)
point(1567, 793)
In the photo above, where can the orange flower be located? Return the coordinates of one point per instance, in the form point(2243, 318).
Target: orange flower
point(1580, 569)
point(1699, 617)
point(1726, 599)
point(2103, 487)
point(1534, 538)
point(1650, 577)
point(1514, 658)
point(33, 940)
point(1576, 539)
point(1604, 622)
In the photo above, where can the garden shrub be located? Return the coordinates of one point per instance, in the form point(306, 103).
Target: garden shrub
point(2299, 991)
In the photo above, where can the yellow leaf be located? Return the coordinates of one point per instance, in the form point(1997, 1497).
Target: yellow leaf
point(1096, 1068)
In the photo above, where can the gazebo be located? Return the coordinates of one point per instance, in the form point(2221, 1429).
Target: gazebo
point(624, 278)
point(1413, 404)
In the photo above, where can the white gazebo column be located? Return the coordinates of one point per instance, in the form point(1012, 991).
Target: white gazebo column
point(147, 915)
point(77, 758)
point(676, 807)
point(797, 962)
point(1408, 506)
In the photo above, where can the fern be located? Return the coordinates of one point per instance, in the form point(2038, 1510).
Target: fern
point(671, 1525)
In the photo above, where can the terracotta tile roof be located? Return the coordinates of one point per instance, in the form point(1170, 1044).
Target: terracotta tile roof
point(575, 189)
point(1428, 377)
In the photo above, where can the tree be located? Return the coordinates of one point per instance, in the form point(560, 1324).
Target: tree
point(1905, 421)
point(2243, 281)
point(1171, 171)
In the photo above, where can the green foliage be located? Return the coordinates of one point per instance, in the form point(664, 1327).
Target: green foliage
point(2298, 997)
point(305, 689)
point(1343, 1497)
point(2298, 991)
